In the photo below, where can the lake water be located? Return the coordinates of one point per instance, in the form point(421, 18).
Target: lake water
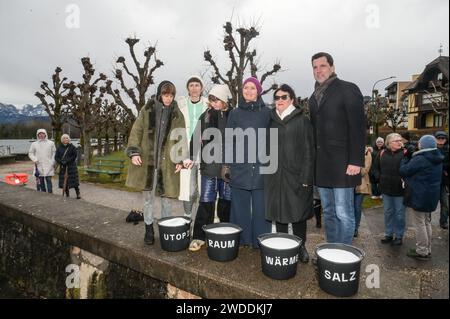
point(21, 146)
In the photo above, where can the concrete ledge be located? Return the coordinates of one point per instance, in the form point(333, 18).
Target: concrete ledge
point(103, 232)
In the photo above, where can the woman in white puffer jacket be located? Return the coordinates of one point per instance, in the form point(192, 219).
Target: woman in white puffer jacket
point(42, 153)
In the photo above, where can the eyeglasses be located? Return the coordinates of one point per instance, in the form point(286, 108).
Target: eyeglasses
point(283, 97)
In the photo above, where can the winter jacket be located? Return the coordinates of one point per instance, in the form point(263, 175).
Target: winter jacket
point(289, 191)
point(42, 153)
point(422, 175)
point(339, 131)
point(445, 177)
point(185, 174)
point(245, 171)
point(67, 161)
point(365, 187)
point(386, 171)
point(210, 119)
point(374, 153)
point(142, 142)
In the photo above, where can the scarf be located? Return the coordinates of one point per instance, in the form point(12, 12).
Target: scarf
point(319, 89)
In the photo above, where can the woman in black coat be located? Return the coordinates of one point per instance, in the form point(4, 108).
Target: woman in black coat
point(289, 191)
point(66, 157)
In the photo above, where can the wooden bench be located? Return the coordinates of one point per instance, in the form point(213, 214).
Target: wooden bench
point(112, 167)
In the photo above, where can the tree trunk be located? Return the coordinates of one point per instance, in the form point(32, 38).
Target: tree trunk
point(58, 132)
point(87, 147)
point(115, 141)
point(99, 146)
point(107, 143)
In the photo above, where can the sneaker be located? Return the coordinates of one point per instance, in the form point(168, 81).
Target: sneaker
point(413, 254)
point(374, 197)
point(397, 242)
point(196, 244)
point(387, 239)
point(444, 226)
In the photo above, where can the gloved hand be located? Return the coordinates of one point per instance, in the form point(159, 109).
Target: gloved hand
point(410, 149)
point(225, 173)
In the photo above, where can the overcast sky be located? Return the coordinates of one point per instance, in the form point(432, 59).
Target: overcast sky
point(369, 40)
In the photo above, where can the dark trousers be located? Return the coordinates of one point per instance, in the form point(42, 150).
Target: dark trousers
point(77, 190)
point(247, 211)
point(317, 211)
point(205, 216)
point(298, 229)
point(444, 205)
point(41, 186)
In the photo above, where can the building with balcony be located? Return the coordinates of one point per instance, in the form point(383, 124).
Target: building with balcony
point(427, 98)
point(398, 99)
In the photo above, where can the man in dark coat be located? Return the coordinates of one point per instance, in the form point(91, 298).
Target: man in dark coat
point(337, 115)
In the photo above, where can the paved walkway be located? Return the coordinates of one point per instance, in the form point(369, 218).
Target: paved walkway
point(408, 278)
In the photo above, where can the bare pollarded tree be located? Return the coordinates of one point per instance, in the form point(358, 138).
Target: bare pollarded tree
point(242, 58)
point(84, 102)
point(142, 79)
point(52, 99)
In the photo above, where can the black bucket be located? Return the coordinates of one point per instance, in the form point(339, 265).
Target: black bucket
point(174, 237)
point(279, 258)
point(339, 267)
point(222, 246)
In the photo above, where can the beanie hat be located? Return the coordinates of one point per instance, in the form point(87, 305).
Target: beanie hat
point(427, 141)
point(255, 81)
point(440, 134)
point(380, 139)
point(194, 78)
point(221, 92)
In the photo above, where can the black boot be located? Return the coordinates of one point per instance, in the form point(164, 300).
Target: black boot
point(149, 238)
point(77, 190)
point(67, 192)
point(318, 214)
point(223, 210)
point(303, 256)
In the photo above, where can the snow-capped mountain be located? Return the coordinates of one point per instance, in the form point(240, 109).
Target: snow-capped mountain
point(11, 114)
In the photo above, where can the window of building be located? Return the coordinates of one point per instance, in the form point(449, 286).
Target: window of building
point(416, 122)
point(438, 120)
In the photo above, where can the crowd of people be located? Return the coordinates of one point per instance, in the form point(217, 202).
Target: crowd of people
point(180, 150)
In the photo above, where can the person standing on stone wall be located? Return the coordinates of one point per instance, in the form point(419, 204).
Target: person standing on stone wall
point(337, 115)
point(149, 147)
point(192, 107)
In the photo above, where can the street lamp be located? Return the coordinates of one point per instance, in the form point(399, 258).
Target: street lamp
point(375, 108)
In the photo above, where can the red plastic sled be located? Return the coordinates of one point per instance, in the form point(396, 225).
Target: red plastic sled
point(16, 178)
